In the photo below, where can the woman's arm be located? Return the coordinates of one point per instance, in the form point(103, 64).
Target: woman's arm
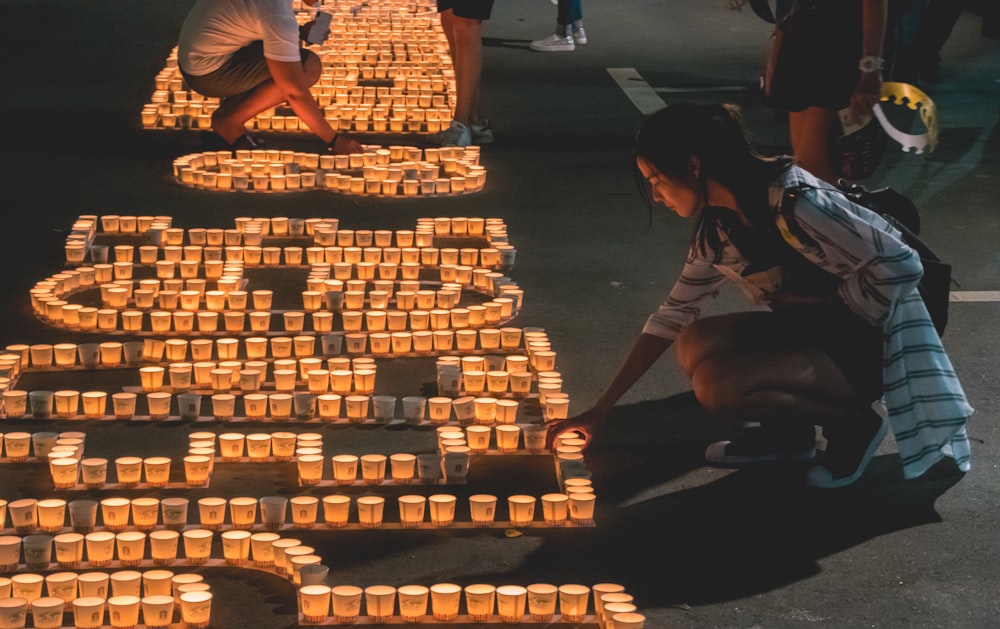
point(869, 88)
point(699, 282)
point(646, 351)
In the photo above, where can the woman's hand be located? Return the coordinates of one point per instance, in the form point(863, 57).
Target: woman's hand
point(866, 94)
point(584, 424)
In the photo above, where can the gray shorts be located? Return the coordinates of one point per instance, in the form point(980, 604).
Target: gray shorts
point(244, 71)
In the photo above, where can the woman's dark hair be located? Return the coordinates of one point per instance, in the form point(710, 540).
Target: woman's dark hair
point(714, 133)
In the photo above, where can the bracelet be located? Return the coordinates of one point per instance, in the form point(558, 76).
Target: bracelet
point(330, 144)
point(871, 63)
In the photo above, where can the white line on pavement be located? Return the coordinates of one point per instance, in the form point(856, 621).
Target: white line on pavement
point(974, 295)
point(637, 89)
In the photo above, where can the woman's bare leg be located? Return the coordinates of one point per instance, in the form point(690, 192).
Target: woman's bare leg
point(811, 132)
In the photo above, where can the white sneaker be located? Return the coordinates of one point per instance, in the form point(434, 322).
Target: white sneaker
point(579, 36)
point(554, 43)
point(457, 134)
point(482, 133)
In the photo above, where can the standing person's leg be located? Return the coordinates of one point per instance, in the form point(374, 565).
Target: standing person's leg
point(562, 39)
point(576, 19)
point(462, 21)
point(936, 24)
point(468, 63)
point(811, 131)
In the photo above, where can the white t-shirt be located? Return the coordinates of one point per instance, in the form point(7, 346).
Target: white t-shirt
point(215, 29)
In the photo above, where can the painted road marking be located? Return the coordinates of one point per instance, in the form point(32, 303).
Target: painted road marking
point(974, 295)
point(637, 90)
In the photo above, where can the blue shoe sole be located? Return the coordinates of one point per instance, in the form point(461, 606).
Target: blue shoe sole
point(821, 478)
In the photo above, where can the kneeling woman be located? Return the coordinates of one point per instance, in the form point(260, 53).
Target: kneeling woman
point(846, 329)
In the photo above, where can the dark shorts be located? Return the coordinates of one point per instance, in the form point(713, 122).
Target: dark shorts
point(832, 45)
point(245, 70)
point(469, 9)
point(854, 346)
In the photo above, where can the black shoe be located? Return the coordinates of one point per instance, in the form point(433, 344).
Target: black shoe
point(759, 445)
point(212, 141)
point(849, 450)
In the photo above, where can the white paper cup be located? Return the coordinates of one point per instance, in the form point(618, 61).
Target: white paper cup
point(46, 612)
point(61, 585)
point(196, 609)
point(314, 602)
point(262, 548)
point(13, 612)
point(370, 510)
point(380, 602)
point(123, 611)
point(100, 547)
point(480, 601)
point(346, 601)
point(157, 611)
point(445, 600)
point(573, 600)
point(413, 601)
point(88, 612)
point(27, 586)
point(336, 510)
point(236, 547)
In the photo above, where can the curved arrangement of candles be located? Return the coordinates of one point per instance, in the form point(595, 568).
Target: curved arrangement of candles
point(437, 290)
point(396, 171)
point(386, 69)
point(201, 286)
point(538, 603)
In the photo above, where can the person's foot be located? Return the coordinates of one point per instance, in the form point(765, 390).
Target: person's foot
point(554, 43)
point(760, 445)
point(579, 36)
point(457, 134)
point(482, 133)
point(211, 141)
point(849, 449)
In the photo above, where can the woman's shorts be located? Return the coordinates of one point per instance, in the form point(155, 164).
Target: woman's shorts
point(469, 9)
point(243, 71)
point(854, 346)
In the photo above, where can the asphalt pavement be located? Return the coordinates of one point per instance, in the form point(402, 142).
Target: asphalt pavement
point(696, 546)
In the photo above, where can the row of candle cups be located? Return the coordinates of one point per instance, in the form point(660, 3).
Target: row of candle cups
point(188, 261)
point(18, 446)
point(538, 602)
point(335, 295)
point(358, 407)
point(131, 548)
point(156, 593)
point(122, 612)
point(283, 226)
point(90, 318)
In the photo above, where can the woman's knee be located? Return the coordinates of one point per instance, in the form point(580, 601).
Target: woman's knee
point(716, 387)
point(692, 345)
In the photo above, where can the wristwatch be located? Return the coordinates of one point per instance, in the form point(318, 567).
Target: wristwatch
point(871, 63)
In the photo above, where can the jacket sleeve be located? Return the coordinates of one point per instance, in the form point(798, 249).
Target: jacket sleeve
point(878, 269)
point(699, 281)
